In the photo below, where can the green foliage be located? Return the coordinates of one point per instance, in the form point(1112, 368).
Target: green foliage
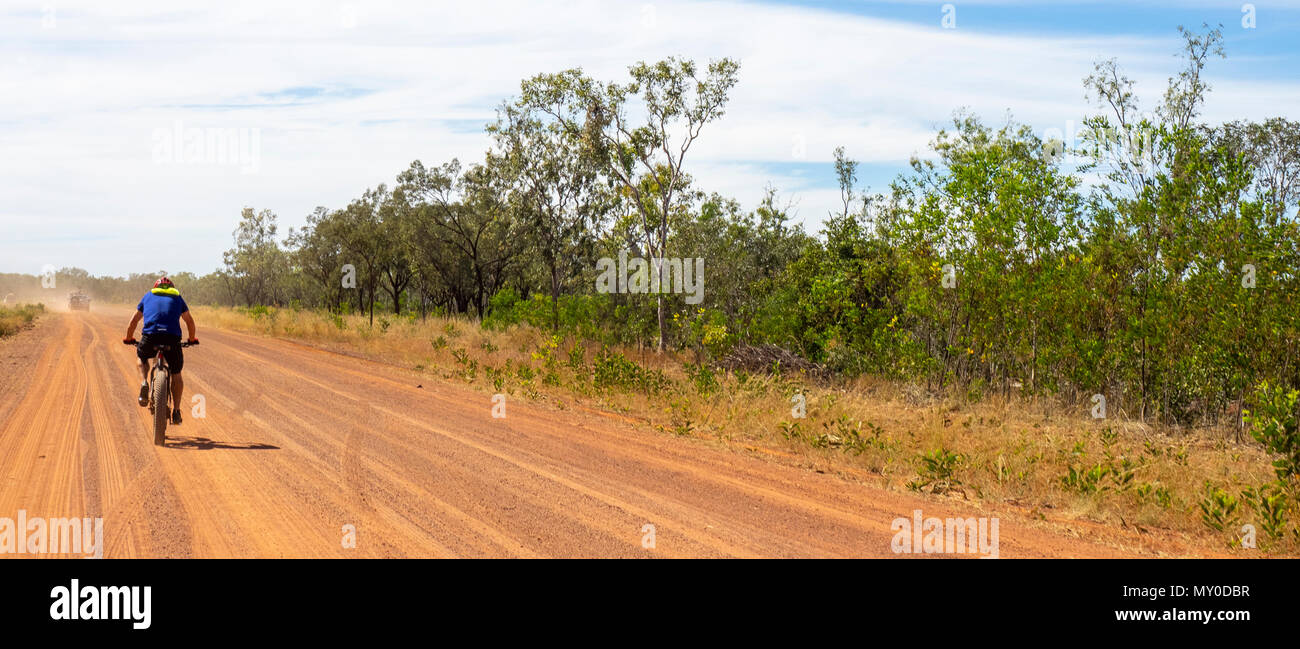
point(14, 319)
point(1155, 493)
point(578, 358)
point(1122, 473)
point(847, 433)
point(1115, 473)
point(1274, 421)
point(1085, 480)
point(1218, 508)
point(590, 317)
point(792, 430)
point(468, 367)
point(256, 312)
point(675, 98)
point(987, 268)
point(702, 377)
point(937, 471)
point(1270, 505)
point(682, 424)
point(610, 369)
point(496, 376)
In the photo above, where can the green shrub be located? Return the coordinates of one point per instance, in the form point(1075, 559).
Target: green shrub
point(15, 319)
point(937, 470)
point(1275, 423)
point(1218, 508)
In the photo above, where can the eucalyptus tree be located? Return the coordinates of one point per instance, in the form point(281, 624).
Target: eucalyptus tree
point(395, 267)
point(642, 131)
point(1273, 149)
point(318, 256)
point(254, 266)
point(1148, 156)
point(358, 229)
point(463, 229)
point(556, 188)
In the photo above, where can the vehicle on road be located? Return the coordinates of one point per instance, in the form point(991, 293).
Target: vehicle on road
point(78, 301)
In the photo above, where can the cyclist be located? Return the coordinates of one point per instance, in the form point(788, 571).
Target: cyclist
point(162, 309)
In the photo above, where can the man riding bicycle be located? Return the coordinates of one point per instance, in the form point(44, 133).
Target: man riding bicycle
point(162, 309)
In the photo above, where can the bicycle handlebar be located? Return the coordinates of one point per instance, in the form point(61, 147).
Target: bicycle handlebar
point(133, 342)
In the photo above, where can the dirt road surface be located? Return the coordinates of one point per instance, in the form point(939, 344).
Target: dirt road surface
point(298, 443)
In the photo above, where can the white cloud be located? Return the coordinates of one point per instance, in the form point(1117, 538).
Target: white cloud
point(402, 81)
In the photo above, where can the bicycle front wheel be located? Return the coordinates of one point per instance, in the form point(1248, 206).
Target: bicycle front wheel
point(162, 391)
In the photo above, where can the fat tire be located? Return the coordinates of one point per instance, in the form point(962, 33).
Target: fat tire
point(162, 388)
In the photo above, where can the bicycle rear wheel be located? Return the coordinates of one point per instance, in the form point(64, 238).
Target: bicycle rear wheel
point(162, 391)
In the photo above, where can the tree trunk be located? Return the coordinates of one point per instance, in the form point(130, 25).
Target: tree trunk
point(662, 322)
point(662, 254)
point(555, 298)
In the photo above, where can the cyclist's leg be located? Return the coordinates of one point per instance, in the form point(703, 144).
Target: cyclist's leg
point(175, 364)
point(144, 352)
point(178, 388)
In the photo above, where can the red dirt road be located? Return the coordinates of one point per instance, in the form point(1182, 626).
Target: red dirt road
point(299, 442)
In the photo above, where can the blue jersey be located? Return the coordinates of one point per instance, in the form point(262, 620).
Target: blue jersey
point(162, 312)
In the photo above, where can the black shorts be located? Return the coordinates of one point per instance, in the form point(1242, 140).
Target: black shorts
point(148, 348)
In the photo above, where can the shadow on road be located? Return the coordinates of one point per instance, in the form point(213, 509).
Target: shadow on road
point(205, 444)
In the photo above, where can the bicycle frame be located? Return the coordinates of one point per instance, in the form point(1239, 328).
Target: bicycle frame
point(159, 363)
point(165, 395)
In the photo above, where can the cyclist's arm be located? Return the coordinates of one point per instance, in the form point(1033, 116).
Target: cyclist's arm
point(135, 320)
point(189, 324)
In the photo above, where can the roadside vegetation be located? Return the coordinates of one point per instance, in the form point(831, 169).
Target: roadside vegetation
point(18, 317)
point(1105, 326)
point(1048, 462)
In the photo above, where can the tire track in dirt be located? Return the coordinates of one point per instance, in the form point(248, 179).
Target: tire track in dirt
point(728, 533)
point(433, 474)
point(875, 525)
point(701, 468)
point(599, 503)
point(39, 443)
point(298, 442)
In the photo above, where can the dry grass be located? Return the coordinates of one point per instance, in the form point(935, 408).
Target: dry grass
point(16, 318)
point(998, 451)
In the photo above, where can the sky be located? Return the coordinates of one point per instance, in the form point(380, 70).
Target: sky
point(321, 100)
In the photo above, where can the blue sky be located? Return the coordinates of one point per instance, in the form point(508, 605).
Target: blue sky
point(319, 100)
point(1265, 51)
